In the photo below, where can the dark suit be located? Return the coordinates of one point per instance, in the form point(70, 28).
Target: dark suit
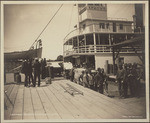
point(99, 82)
point(37, 72)
point(119, 78)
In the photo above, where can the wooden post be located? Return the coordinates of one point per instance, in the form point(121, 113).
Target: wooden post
point(85, 42)
point(94, 37)
point(78, 43)
point(72, 46)
point(109, 42)
point(113, 53)
point(99, 39)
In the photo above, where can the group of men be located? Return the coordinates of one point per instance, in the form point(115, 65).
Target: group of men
point(128, 76)
point(94, 81)
point(32, 67)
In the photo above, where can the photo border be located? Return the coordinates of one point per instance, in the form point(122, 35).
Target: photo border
point(76, 2)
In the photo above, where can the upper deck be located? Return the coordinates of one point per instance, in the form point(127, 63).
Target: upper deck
point(103, 26)
point(95, 39)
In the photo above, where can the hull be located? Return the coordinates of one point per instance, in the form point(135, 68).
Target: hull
point(30, 54)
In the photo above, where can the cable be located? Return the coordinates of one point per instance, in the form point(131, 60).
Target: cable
point(46, 25)
point(40, 34)
point(70, 18)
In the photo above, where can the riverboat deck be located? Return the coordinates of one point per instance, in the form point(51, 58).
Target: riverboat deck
point(51, 101)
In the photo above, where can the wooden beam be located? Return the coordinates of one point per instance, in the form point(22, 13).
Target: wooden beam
point(117, 53)
point(113, 54)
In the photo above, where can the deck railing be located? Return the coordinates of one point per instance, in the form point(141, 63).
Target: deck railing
point(97, 29)
point(91, 49)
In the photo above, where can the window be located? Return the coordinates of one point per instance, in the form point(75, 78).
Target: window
point(107, 25)
point(102, 25)
point(121, 26)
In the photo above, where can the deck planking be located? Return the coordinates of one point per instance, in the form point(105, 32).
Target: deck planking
point(28, 112)
point(102, 111)
point(18, 105)
point(7, 89)
point(52, 102)
point(126, 110)
point(63, 112)
point(37, 105)
point(47, 105)
point(67, 104)
point(82, 106)
point(12, 97)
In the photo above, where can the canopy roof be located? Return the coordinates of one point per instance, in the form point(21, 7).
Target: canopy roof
point(136, 40)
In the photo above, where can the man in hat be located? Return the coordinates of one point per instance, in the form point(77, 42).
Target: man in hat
point(119, 78)
point(125, 81)
point(99, 81)
point(37, 72)
point(24, 70)
point(86, 79)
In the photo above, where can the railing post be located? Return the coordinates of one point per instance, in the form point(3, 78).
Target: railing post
point(94, 36)
point(109, 43)
point(78, 43)
point(85, 43)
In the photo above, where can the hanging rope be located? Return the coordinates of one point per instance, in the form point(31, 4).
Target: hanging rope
point(46, 25)
point(70, 19)
point(39, 35)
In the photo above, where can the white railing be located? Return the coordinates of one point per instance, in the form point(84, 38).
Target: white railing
point(96, 28)
point(91, 49)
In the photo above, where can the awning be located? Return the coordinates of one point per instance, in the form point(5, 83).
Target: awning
point(136, 40)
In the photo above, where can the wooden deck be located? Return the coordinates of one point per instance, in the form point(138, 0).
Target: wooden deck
point(53, 102)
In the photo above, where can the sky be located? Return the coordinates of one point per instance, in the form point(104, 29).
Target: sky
point(24, 22)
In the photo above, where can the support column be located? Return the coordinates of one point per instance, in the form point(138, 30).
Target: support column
point(72, 45)
point(85, 42)
point(113, 53)
point(99, 39)
point(63, 51)
point(126, 37)
point(94, 37)
point(109, 42)
point(78, 43)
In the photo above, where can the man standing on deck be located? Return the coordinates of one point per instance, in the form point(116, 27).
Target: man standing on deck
point(30, 76)
point(119, 78)
point(24, 70)
point(99, 81)
point(37, 72)
point(125, 81)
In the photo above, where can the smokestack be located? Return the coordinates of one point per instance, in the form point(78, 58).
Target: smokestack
point(134, 22)
point(139, 16)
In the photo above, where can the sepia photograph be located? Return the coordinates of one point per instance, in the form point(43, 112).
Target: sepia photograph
point(69, 61)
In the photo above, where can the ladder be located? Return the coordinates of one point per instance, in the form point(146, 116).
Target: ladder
point(71, 89)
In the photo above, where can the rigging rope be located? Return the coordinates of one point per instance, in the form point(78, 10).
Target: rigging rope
point(40, 35)
point(70, 18)
point(46, 25)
